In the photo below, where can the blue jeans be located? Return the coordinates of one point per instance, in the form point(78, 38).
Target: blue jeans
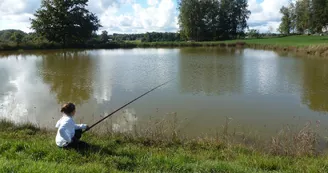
point(76, 143)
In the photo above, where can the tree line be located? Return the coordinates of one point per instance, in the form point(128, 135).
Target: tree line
point(204, 20)
point(147, 37)
point(69, 23)
point(304, 17)
point(19, 37)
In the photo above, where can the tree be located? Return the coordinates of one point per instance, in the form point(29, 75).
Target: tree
point(212, 19)
point(305, 16)
point(239, 15)
point(292, 14)
point(189, 19)
point(224, 19)
point(302, 13)
point(65, 21)
point(319, 15)
point(286, 21)
point(17, 37)
point(253, 33)
point(104, 37)
point(12, 35)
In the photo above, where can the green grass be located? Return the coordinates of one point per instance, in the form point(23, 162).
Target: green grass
point(298, 41)
point(301, 40)
point(301, 44)
point(25, 148)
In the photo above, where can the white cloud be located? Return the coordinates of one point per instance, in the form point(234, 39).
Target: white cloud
point(100, 6)
point(15, 14)
point(152, 2)
point(146, 16)
point(161, 16)
point(265, 14)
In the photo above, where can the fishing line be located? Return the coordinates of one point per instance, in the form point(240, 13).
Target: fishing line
point(126, 105)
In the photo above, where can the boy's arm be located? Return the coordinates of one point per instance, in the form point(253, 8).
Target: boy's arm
point(63, 133)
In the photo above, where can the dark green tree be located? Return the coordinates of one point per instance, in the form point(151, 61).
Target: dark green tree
point(12, 35)
point(305, 16)
point(302, 14)
point(234, 15)
point(319, 15)
point(224, 19)
point(253, 33)
point(104, 37)
point(65, 21)
point(17, 37)
point(241, 15)
point(189, 19)
point(212, 19)
point(211, 23)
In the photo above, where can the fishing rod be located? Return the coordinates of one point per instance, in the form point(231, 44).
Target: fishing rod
point(126, 105)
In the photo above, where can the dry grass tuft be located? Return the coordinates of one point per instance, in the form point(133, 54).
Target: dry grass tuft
point(299, 143)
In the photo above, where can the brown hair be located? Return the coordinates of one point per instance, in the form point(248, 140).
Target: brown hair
point(68, 108)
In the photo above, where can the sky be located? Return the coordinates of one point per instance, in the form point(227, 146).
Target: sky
point(136, 16)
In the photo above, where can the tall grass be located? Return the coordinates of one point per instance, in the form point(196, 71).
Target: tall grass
point(300, 143)
point(159, 148)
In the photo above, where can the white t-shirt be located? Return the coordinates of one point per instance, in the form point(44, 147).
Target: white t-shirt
point(66, 130)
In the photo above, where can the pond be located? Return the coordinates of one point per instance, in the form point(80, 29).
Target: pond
point(246, 88)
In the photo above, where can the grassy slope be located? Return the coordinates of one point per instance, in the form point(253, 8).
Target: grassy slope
point(291, 41)
point(268, 43)
point(299, 40)
point(27, 149)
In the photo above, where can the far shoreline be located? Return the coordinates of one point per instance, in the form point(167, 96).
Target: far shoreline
point(304, 45)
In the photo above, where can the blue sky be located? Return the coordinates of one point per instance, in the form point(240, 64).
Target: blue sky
point(136, 16)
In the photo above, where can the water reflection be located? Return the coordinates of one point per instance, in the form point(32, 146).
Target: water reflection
point(104, 77)
point(233, 71)
point(211, 72)
point(19, 88)
point(266, 73)
point(315, 85)
point(69, 74)
point(125, 122)
point(253, 87)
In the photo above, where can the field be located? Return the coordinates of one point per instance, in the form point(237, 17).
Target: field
point(26, 148)
point(316, 46)
point(299, 41)
point(301, 44)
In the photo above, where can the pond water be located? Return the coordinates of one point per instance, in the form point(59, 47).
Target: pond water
point(249, 89)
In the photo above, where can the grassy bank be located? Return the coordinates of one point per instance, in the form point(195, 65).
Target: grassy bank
point(310, 45)
point(300, 44)
point(25, 148)
point(115, 45)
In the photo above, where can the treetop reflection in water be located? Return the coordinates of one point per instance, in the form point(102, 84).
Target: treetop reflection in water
point(211, 71)
point(315, 84)
point(69, 75)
